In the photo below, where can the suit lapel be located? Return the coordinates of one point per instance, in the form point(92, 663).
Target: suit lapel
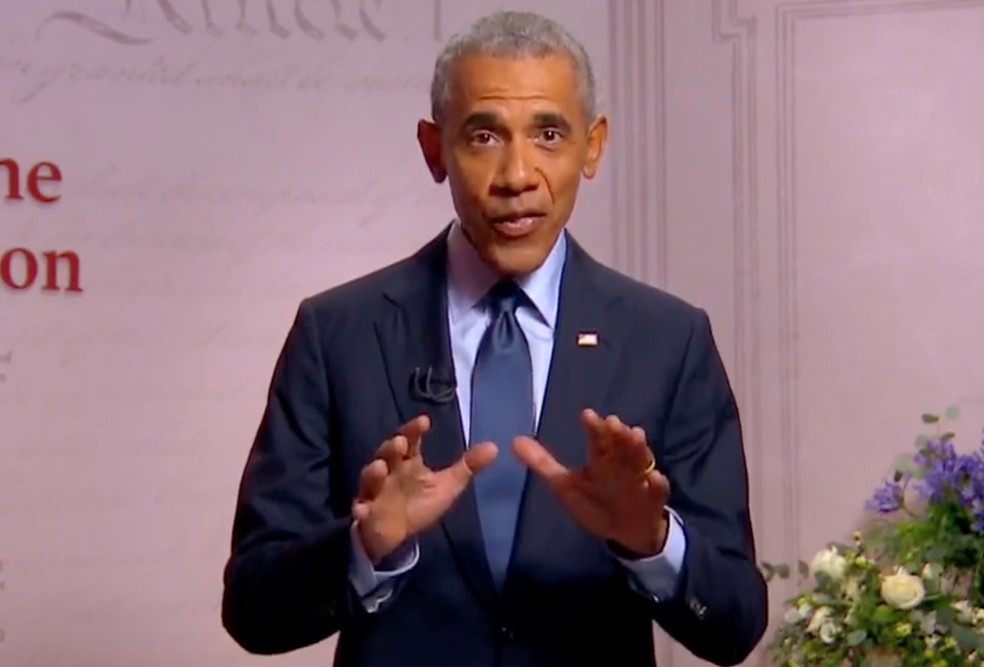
point(413, 335)
point(581, 373)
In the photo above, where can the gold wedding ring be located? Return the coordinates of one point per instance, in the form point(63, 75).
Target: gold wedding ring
point(650, 467)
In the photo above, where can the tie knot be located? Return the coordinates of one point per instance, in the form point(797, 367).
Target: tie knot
point(505, 296)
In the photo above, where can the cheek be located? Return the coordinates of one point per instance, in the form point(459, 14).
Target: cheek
point(469, 182)
point(561, 181)
point(463, 193)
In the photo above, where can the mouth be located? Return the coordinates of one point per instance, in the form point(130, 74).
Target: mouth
point(517, 225)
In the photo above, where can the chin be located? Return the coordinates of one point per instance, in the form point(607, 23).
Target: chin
point(516, 254)
point(516, 261)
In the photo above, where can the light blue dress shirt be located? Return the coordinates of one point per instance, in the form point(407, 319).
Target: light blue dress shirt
point(469, 279)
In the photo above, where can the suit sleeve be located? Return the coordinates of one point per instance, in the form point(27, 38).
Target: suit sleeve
point(721, 610)
point(286, 580)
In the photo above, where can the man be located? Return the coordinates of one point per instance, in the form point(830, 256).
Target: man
point(498, 451)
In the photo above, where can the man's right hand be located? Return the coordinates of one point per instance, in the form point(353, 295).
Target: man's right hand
point(399, 496)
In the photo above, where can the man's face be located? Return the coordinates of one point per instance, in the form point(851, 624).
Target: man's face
point(513, 144)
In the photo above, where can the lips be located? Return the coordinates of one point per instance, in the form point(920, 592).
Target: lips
point(517, 225)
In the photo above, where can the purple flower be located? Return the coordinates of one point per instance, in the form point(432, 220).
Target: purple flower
point(953, 479)
point(948, 479)
point(887, 499)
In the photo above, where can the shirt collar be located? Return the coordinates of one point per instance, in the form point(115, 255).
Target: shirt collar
point(469, 278)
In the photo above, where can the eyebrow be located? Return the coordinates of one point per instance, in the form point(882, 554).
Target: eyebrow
point(489, 119)
point(551, 119)
point(481, 119)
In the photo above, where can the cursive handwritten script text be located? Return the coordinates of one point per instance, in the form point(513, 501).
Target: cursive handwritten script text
point(174, 72)
point(313, 19)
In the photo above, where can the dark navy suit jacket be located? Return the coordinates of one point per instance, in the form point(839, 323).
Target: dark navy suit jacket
point(343, 384)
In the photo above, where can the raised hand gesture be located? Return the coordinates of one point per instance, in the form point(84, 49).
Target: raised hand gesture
point(399, 496)
point(619, 495)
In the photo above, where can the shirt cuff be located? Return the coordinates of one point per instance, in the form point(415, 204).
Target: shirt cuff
point(376, 586)
point(658, 576)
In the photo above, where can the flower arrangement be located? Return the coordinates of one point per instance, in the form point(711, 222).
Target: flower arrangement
point(909, 591)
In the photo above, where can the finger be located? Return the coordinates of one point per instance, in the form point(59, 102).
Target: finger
point(360, 511)
point(658, 487)
point(371, 479)
point(475, 459)
point(539, 460)
point(393, 451)
point(599, 444)
point(634, 452)
point(593, 424)
point(630, 452)
point(414, 431)
point(616, 434)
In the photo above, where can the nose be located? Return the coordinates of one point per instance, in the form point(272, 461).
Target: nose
point(517, 172)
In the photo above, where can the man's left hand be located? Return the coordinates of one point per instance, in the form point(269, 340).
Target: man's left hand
point(618, 496)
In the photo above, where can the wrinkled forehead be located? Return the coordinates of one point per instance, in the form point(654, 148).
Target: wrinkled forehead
point(514, 86)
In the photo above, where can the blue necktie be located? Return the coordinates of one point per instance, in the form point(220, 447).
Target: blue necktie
point(501, 409)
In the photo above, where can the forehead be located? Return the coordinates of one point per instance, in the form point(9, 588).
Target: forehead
point(484, 81)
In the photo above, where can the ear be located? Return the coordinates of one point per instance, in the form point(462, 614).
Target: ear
point(429, 138)
point(597, 140)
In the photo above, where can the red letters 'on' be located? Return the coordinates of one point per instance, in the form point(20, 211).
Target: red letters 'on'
point(19, 268)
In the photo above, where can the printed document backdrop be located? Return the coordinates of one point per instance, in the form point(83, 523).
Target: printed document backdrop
point(175, 175)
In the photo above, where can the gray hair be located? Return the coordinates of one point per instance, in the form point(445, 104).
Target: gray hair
point(512, 34)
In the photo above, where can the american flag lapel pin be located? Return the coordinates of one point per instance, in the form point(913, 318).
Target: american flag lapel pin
point(587, 339)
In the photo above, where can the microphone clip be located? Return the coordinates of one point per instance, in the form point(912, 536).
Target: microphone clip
point(425, 386)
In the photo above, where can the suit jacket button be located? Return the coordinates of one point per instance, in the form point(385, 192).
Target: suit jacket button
point(507, 634)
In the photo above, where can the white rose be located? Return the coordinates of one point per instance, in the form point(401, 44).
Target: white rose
point(828, 632)
point(965, 613)
point(830, 563)
point(902, 590)
point(820, 616)
point(932, 571)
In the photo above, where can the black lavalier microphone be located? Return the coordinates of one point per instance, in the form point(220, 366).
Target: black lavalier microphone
point(432, 386)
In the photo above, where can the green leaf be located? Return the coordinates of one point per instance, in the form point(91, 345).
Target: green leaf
point(948, 436)
point(952, 412)
point(856, 637)
point(968, 639)
point(883, 616)
point(782, 571)
point(928, 418)
point(804, 569)
point(922, 441)
point(946, 617)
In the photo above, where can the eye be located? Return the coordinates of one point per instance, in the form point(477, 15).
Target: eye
point(482, 138)
point(551, 136)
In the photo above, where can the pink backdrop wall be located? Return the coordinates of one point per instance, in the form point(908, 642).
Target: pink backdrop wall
point(809, 172)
